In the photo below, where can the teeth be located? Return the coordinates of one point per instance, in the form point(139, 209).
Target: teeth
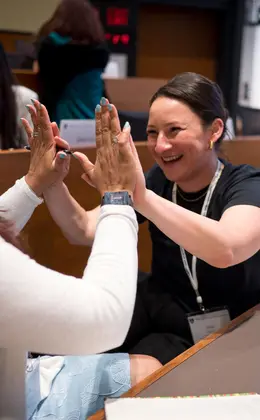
point(171, 158)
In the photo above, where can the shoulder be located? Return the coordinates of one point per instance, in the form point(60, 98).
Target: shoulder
point(24, 94)
point(97, 52)
point(101, 48)
point(240, 184)
point(51, 44)
point(55, 39)
point(235, 175)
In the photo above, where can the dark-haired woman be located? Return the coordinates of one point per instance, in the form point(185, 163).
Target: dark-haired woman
point(204, 221)
point(13, 100)
point(72, 55)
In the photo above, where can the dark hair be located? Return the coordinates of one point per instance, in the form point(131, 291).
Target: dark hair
point(77, 19)
point(203, 96)
point(8, 111)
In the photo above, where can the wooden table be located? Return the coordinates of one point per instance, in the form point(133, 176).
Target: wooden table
point(46, 243)
point(225, 362)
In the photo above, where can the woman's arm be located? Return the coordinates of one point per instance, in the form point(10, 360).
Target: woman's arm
point(77, 224)
point(45, 311)
point(233, 239)
point(18, 203)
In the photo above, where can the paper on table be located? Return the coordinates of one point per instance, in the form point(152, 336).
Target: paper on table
point(242, 407)
point(78, 133)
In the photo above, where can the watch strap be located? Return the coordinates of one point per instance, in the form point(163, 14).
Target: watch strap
point(117, 198)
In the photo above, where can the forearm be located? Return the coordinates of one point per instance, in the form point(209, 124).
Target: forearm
point(114, 262)
point(74, 316)
point(18, 203)
point(68, 214)
point(200, 236)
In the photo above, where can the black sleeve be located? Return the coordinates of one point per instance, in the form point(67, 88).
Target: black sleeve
point(154, 180)
point(140, 218)
point(245, 190)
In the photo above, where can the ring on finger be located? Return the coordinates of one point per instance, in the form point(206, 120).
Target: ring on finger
point(115, 140)
point(36, 132)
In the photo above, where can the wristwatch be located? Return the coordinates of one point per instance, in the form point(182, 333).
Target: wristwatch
point(118, 198)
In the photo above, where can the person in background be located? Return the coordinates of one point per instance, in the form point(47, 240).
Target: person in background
point(45, 311)
point(13, 100)
point(203, 214)
point(72, 55)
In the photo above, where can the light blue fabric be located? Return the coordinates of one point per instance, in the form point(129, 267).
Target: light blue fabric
point(59, 39)
point(80, 97)
point(80, 388)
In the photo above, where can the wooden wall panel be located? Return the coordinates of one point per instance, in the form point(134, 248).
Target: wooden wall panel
point(9, 39)
point(47, 244)
point(45, 241)
point(130, 94)
point(171, 40)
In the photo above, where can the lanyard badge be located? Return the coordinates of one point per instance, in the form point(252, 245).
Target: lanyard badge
point(206, 321)
point(193, 274)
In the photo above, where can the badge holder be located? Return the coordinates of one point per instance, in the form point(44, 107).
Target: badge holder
point(203, 323)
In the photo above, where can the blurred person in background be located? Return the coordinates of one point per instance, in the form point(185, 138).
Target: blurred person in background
point(72, 55)
point(13, 100)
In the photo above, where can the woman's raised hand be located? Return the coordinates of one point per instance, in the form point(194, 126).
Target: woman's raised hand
point(47, 167)
point(115, 166)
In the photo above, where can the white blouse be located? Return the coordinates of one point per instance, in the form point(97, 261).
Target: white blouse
point(44, 311)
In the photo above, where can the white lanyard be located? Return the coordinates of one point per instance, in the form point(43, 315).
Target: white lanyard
point(193, 276)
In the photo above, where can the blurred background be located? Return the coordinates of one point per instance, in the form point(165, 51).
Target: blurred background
point(153, 40)
point(124, 50)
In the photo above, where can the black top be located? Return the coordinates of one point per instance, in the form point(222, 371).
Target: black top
point(238, 287)
point(60, 62)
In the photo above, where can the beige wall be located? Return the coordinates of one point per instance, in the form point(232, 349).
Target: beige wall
point(25, 15)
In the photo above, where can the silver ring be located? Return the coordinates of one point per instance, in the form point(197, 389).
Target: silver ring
point(115, 140)
point(36, 134)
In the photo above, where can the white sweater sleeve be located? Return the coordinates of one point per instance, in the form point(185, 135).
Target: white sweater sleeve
point(45, 311)
point(18, 203)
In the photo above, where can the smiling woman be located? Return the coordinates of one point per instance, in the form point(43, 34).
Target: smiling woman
point(187, 117)
point(204, 221)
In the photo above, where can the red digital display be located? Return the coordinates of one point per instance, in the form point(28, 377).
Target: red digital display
point(117, 16)
point(118, 38)
point(125, 38)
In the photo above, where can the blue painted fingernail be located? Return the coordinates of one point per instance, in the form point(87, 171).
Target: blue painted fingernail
point(110, 107)
point(62, 155)
point(103, 101)
point(98, 108)
point(28, 107)
point(33, 101)
point(126, 124)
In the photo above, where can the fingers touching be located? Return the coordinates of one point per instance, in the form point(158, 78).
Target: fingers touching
point(61, 143)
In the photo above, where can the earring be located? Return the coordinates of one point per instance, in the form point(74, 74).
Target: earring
point(211, 144)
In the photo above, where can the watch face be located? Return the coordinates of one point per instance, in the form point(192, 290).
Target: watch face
point(117, 198)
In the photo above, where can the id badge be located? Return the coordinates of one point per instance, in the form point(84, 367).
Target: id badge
point(204, 323)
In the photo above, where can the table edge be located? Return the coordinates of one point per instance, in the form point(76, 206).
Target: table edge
point(145, 383)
